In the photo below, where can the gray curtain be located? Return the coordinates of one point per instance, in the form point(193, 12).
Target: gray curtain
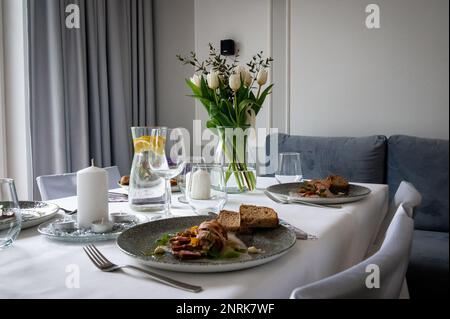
point(88, 86)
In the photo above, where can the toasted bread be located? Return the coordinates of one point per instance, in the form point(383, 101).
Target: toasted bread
point(258, 217)
point(125, 180)
point(338, 184)
point(231, 221)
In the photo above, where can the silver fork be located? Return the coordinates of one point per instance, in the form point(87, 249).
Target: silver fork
point(102, 263)
point(287, 200)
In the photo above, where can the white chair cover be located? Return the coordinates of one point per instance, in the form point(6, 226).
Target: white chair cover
point(406, 195)
point(392, 261)
point(65, 185)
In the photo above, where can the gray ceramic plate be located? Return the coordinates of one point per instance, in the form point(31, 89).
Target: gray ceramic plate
point(33, 213)
point(139, 243)
point(355, 193)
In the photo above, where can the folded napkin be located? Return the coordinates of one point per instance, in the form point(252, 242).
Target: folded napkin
point(117, 197)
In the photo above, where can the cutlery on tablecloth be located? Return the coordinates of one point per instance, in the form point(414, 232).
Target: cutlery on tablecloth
point(289, 200)
point(102, 263)
point(299, 234)
point(69, 212)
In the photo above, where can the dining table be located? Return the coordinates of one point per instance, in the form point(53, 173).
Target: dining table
point(39, 267)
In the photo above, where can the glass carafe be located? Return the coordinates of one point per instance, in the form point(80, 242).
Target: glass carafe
point(146, 190)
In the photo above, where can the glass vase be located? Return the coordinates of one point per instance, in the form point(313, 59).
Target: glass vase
point(237, 159)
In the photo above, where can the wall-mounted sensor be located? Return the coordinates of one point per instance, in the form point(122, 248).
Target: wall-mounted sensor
point(227, 47)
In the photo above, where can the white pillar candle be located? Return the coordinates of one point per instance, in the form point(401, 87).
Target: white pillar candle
point(92, 195)
point(201, 185)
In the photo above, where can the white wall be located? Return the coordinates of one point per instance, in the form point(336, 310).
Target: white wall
point(344, 78)
point(174, 34)
point(247, 22)
point(2, 104)
point(16, 96)
point(349, 80)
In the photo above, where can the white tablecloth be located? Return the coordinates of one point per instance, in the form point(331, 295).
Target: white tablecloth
point(36, 267)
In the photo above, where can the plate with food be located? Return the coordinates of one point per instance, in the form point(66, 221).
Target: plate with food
point(232, 241)
point(124, 182)
point(33, 213)
point(333, 189)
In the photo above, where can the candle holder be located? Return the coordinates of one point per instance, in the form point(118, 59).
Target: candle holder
point(68, 230)
point(206, 190)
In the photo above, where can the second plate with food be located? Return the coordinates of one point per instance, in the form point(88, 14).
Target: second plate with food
point(355, 193)
point(140, 242)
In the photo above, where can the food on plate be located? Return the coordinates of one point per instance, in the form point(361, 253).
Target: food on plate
point(4, 214)
point(258, 217)
point(338, 184)
point(125, 180)
point(173, 182)
point(159, 250)
point(217, 238)
point(209, 239)
point(231, 221)
point(332, 186)
point(254, 250)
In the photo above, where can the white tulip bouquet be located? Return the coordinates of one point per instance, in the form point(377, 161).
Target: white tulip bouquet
point(232, 95)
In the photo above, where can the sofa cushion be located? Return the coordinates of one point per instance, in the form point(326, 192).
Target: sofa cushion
point(359, 159)
point(427, 274)
point(424, 163)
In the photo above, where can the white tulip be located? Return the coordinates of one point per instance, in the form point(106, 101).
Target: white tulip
point(261, 78)
point(213, 79)
point(248, 79)
point(235, 82)
point(245, 74)
point(196, 80)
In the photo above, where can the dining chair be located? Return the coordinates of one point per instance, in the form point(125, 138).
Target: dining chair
point(65, 185)
point(360, 281)
point(406, 195)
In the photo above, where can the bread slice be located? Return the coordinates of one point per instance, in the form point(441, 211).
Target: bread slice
point(230, 220)
point(258, 217)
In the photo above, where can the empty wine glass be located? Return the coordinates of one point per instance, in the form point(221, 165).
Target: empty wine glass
point(183, 178)
point(168, 157)
point(206, 189)
point(289, 168)
point(10, 215)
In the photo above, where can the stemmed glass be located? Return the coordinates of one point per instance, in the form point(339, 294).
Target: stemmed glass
point(289, 168)
point(10, 215)
point(168, 157)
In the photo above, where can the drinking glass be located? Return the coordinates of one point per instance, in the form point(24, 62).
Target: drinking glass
point(289, 168)
point(183, 178)
point(168, 158)
point(206, 190)
point(10, 215)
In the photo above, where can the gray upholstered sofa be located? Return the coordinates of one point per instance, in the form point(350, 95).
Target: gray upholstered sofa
point(377, 159)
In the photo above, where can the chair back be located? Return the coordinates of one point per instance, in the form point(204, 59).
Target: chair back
point(406, 195)
point(65, 185)
point(378, 277)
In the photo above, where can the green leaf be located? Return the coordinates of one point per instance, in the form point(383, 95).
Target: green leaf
point(204, 88)
point(195, 89)
point(262, 97)
point(264, 94)
point(164, 239)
